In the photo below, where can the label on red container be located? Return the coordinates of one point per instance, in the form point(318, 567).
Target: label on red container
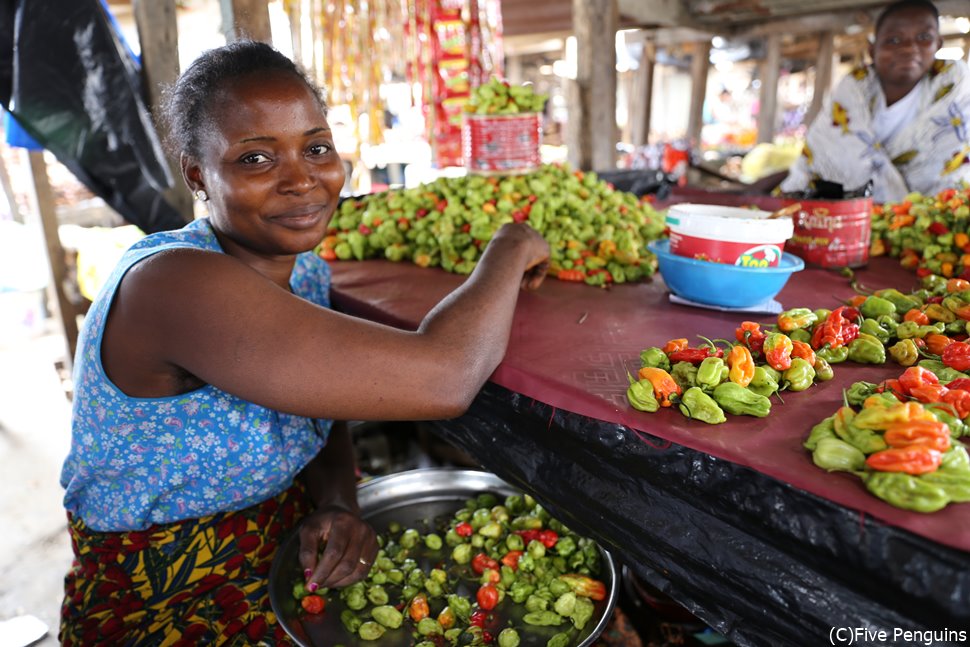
point(833, 233)
point(720, 251)
point(501, 143)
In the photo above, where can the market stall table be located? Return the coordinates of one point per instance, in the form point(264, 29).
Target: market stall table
point(733, 521)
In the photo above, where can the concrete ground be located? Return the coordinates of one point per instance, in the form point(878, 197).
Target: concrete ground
point(35, 551)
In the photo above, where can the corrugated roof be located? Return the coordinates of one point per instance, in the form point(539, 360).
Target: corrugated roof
point(528, 17)
point(735, 15)
point(744, 12)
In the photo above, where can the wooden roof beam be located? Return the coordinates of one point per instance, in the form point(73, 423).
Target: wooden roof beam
point(836, 22)
point(829, 21)
point(655, 13)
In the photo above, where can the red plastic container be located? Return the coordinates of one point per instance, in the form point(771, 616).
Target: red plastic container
point(832, 233)
point(501, 144)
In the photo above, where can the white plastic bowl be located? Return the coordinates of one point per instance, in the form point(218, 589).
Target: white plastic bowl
point(729, 235)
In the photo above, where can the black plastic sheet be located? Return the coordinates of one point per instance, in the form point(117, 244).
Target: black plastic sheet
point(639, 182)
point(67, 78)
point(761, 562)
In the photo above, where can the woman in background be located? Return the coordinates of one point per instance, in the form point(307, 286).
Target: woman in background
point(901, 122)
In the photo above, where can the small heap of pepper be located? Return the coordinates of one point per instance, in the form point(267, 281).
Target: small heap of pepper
point(928, 326)
point(519, 561)
point(707, 381)
point(930, 234)
point(899, 437)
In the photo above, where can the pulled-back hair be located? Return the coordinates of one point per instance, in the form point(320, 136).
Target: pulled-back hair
point(185, 109)
point(900, 5)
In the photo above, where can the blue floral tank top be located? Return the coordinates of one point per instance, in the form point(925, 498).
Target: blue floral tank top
point(135, 462)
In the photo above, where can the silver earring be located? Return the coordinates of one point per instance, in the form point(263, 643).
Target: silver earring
point(201, 195)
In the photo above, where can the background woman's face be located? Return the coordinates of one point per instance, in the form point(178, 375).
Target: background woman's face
point(270, 166)
point(905, 47)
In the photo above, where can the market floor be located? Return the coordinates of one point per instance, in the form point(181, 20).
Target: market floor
point(35, 551)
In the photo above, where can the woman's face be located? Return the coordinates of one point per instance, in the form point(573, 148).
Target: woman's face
point(268, 165)
point(905, 47)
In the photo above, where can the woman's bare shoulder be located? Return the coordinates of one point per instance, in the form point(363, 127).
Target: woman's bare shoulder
point(193, 278)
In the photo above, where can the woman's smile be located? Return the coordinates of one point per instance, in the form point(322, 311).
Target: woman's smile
point(300, 217)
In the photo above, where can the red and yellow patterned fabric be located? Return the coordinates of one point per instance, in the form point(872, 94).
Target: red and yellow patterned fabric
point(197, 582)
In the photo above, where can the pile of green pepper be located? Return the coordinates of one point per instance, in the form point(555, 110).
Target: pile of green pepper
point(596, 234)
point(519, 561)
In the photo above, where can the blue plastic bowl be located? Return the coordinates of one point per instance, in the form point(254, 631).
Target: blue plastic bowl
point(718, 284)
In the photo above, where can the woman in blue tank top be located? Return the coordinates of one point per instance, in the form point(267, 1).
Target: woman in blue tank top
point(210, 368)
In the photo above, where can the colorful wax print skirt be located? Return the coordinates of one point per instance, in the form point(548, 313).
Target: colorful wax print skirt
point(196, 582)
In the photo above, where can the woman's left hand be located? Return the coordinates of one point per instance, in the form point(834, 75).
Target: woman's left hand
point(349, 548)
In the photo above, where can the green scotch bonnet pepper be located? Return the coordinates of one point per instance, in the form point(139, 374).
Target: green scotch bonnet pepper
point(655, 357)
point(764, 381)
point(709, 373)
point(834, 454)
point(739, 401)
point(875, 306)
point(906, 491)
point(697, 405)
point(866, 349)
point(640, 395)
point(799, 376)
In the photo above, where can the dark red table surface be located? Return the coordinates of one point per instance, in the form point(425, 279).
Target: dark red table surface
point(572, 346)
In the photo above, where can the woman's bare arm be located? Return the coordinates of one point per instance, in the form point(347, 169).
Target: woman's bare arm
point(238, 331)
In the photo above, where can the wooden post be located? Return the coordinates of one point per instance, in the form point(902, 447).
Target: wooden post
point(591, 133)
point(44, 206)
point(823, 74)
point(321, 63)
point(158, 35)
point(294, 13)
point(699, 66)
point(641, 99)
point(9, 193)
point(575, 133)
point(513, 69)
point(246, 19)
point(769, 90)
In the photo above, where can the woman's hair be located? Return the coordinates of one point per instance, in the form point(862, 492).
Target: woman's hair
point(185, 109)
point(900, 5)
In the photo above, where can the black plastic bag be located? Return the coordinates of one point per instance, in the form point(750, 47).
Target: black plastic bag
point(820, 189)
point(639, 182)
point(67, 78)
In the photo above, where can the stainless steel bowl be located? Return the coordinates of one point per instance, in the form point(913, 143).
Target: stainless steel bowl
point(413, 498)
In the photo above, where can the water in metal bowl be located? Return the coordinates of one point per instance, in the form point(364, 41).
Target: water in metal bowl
point(418, 499)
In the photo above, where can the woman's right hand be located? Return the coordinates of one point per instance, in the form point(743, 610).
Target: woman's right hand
point(535, 250)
